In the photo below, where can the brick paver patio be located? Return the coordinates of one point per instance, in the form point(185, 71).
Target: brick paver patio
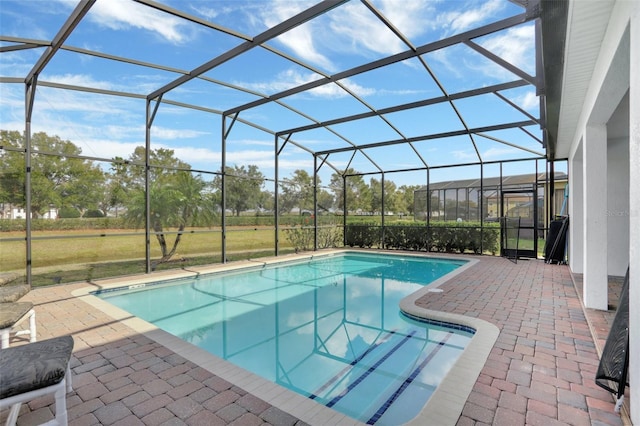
point(540, 371)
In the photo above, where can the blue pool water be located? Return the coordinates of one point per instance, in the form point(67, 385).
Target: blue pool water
point(329, 328)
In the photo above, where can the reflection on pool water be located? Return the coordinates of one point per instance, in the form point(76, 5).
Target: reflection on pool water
point(329, 328)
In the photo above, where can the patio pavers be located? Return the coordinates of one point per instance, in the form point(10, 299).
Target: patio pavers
point(540, 371)
point(542, 368)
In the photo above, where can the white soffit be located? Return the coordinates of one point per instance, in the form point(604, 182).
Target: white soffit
point(586, 27)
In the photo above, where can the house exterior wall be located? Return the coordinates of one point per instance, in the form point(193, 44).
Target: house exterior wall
point(594, 230)
point(634, 208)
point(616, 74)
point(576, 211)
point(617, 206)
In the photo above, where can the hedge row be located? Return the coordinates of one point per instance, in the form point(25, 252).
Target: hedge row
point(445, 238)
point(60, 224)
point(7, 225)
point(286, 220)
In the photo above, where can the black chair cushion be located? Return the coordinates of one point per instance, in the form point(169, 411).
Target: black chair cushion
point(34, 366)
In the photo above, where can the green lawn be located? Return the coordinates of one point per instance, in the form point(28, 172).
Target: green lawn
point(63, 256)
point(78, 255)
point(527, 244)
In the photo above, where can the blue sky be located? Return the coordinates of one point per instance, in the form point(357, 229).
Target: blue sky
point(348, 36)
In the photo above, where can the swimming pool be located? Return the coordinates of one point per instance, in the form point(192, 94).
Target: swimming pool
point(329, 328)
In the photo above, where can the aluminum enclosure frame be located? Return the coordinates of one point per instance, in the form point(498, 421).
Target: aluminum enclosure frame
point(534, 11)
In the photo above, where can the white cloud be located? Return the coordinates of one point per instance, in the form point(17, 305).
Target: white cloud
point(79, 80)
point(284, 80)
point(122, 14)
point(497, 153)
point(450, 60)
point(301, 39)
point(140, 84)
point(464, 155)
point(465, 18)
point(195, 156)
point(261, 158)
point(209, 13)
point(529, 101)
point(175, 134)
point(335, 91)
point(362, 29)
point(291, 78)
point(253, 142)
point(106, 148)
point(12, 107)
point(18, 64)
point(516, 46)
point(411, 17)
point(352, 29)
point(50, 100)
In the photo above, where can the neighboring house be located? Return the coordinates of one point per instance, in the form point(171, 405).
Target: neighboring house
point(455, 199)
point(9, 211)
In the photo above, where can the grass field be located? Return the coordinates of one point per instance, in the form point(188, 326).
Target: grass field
point(527, 244)
point(63, 256)
point(79, 255)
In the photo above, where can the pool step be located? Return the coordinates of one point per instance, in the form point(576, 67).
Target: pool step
point(364, 369)
point(370, 370)
point(377, 382)
point(383, 407)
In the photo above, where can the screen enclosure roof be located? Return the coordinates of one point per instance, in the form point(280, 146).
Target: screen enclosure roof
point(367, 85)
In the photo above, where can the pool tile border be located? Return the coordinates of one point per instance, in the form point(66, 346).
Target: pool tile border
point(448, 400)
point(445, 404)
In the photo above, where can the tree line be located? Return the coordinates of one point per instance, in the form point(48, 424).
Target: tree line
point(74, 186)
point(80, 187)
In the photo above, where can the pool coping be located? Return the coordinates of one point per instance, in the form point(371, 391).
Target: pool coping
point(445, 404)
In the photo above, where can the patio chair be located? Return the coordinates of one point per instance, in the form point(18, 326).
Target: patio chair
point(613, 369)
point(11, 315)
point(34, 370)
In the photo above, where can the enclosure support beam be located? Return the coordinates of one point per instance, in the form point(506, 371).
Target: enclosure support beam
point(315, 203)
point(275, 194)
point(551, 189)
point(495, 89)
point(30, 89)
point(78, 13)
point(399, 57)
point(223, 178)
point(433, 136)
point(428, 199)
point(382, 207)
point(31, 81)
point(264, 37)
point(344, 210)
point(482, 213)
point(147, 187)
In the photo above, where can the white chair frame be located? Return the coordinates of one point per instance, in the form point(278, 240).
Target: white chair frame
point(59, 390)
point(5, 333)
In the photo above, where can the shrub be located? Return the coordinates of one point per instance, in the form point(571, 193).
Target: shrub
point(438, 237)
point(68, 213)
point(364, 235)
point(301, 238)
point(93, 213)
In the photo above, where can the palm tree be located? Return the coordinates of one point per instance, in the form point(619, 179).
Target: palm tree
point(176, 200)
